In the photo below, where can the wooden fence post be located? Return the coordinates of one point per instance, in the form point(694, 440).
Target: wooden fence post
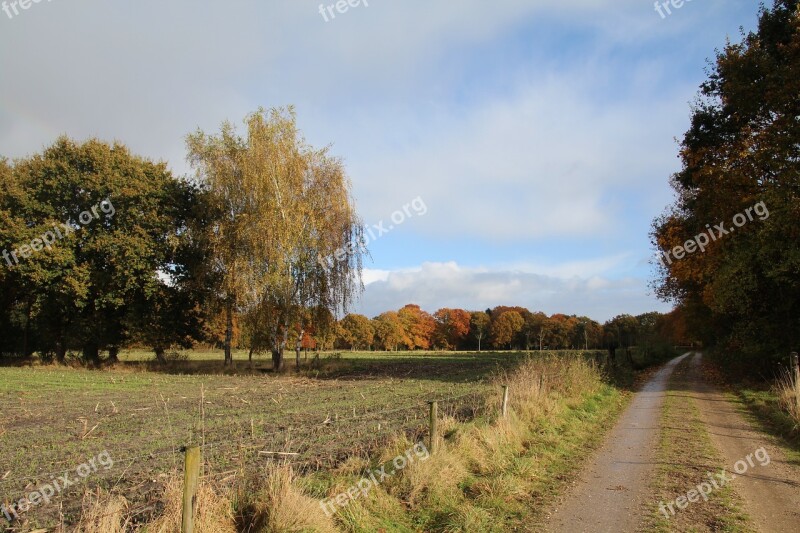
point(504, 409)
point(433, 423)
point(191, 475)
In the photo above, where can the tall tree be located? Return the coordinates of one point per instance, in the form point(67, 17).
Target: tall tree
point(452, 327)
point(98, 244)
point(479, 324)
point(506, 327)
point(419, 326)
point(357, 331)
point(282, 206)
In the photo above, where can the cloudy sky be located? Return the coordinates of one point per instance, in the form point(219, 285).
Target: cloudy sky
point(539, 135)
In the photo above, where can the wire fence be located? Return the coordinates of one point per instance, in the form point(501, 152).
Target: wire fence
point(323, 439)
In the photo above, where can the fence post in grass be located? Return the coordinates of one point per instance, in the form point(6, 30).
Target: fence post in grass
point(191, 475)
point(433, 423)
point(505, 401)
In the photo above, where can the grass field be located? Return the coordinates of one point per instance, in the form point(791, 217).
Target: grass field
point(55, 418)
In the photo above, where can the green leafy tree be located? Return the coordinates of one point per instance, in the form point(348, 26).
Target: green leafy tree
point(98, 244)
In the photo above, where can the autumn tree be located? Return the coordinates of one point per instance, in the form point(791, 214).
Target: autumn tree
point(560, 331)
point(418, 326)
point(281, 205)
point(534, 329)
point(357, 332)
point(505, 328)
point(452, 327)
point(389, 331)
point(479, 323)
point(740, 159)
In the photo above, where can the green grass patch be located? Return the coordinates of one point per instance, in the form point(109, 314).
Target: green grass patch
point(685, 457)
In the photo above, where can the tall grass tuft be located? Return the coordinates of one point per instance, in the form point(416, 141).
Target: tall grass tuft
point(789, 397)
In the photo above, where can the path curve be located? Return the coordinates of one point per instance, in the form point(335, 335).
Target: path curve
point(608, 495)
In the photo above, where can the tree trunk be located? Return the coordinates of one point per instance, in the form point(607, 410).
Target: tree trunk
point(160, 355)
point(298, 347)
point(61, 351)
point(228, 334)
point(250, 357)
point(26, 334)
point(277, 359)
point(113, 355)
point(479, 345)
point(91, 353)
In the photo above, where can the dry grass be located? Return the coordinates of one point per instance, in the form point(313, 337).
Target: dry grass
point(214, 512)
point(281, 506)
point(478, 471)
point(103, 513)
point(789, 397)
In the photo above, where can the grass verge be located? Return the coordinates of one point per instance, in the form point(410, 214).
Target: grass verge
point(684, 436)
point(488, 474)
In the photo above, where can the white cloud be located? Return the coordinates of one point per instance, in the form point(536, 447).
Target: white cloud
point(437, 285)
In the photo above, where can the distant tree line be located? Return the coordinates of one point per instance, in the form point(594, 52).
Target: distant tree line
point(503, 328)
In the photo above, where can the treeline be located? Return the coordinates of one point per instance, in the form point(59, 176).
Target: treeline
point(733, 234)
point(503, 328)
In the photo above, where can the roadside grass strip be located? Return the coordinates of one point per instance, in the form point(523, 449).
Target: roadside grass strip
point(688, 464)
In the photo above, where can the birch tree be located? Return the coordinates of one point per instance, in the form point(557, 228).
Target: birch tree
point(288, 242)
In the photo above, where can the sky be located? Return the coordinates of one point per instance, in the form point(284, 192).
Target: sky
point(523, 147)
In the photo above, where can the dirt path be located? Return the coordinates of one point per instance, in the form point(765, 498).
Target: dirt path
point(769, 486)
point(608, 495)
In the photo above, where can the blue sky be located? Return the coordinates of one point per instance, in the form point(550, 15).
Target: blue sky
point(540, 135)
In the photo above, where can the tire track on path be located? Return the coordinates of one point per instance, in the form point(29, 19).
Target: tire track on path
point(608, 495)
point(771, 493)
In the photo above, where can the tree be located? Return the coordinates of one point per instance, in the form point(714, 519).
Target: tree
point(741, 293)
point(357, 331)
point(452, 327)
point(282, 206)
point(587, 333)
point(94, 236)
point(506, 327)
point(480, 322)
point(418, 325)
point(560, 331)
point(535, 327)
point(389, 331)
